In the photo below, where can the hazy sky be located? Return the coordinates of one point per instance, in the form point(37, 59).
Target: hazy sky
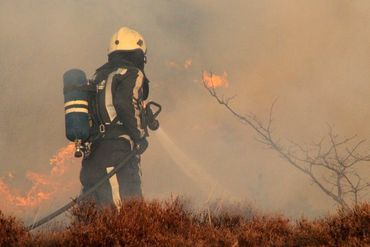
point(313, 55)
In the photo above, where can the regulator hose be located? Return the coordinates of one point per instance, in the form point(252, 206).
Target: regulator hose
point(82, 196)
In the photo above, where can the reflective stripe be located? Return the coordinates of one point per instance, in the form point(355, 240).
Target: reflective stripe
point(81, 110)
point(138, 84)
point(76, 102)
point(127, 137)
point(101, 85)
point(115, 187)
point(111, 110)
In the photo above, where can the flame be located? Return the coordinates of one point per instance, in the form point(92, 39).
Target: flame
point(215, 81)
point(188, 62)
point(45, 187)
point(180, 65)
point(172, 64)
point(59, 161)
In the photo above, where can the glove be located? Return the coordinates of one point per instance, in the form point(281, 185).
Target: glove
point(141, 145)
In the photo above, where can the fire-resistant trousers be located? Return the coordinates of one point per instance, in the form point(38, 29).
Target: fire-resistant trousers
point(109, 153)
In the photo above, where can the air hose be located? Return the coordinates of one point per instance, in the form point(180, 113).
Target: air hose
point(82, 196)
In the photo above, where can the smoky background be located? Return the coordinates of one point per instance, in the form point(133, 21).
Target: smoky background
point(313, 55)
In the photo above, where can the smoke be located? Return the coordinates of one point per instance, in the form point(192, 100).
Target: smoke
point(189, 167)
point(313, 55)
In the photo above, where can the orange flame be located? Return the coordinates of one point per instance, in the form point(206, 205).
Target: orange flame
point(188, 63)
point(44, 186)
point(181, 65)
point(215, 81)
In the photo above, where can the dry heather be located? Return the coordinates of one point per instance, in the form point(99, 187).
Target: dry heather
point(140, 223)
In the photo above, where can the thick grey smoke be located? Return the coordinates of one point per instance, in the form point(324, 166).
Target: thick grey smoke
point(312, 54)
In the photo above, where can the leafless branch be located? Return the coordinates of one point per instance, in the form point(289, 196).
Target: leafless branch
point(332, 156)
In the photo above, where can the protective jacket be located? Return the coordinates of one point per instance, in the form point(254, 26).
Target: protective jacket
point(117, 107)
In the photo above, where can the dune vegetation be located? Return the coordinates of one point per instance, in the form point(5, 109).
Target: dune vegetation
point(172, 223)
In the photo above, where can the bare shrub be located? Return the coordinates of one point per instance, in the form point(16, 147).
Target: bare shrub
point(332, 164)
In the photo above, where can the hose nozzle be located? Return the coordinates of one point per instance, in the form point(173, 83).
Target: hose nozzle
point(78, 148)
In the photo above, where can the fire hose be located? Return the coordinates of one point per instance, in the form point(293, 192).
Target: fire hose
point(84, 195)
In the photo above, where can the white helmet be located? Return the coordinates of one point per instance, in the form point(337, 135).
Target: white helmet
point(126, 39)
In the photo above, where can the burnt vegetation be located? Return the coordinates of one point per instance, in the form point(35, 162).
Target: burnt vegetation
point(171, 223)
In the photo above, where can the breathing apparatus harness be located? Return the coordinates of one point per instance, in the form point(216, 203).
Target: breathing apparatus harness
point(149, 114)
point(77, 90)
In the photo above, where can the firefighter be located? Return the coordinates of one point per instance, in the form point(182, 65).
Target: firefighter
point(117, 118)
